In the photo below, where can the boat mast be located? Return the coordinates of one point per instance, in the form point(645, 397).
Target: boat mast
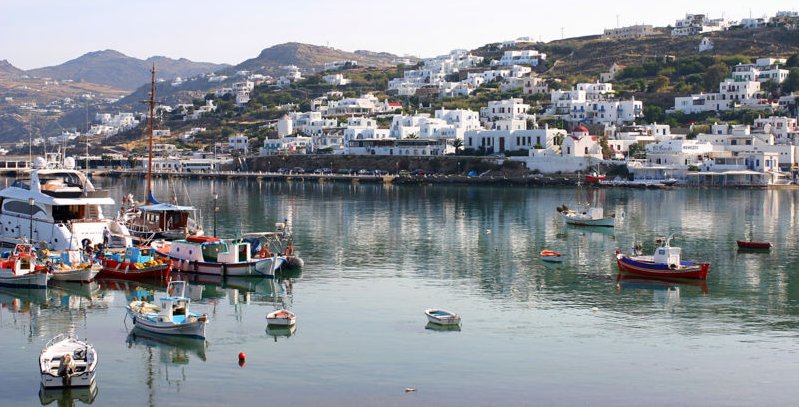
point(150, 144)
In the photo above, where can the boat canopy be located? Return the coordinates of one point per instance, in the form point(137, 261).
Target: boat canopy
point(165, 207)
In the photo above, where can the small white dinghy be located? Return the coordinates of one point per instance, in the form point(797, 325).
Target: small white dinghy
point(67, 361)
point(72, 265)
point(442, 317)
point(281, 317)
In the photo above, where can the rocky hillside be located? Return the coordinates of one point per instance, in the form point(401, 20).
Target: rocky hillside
point(119, 71)
point(311, 57)
point(9, 71)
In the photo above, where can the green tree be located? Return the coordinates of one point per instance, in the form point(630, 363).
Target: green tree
point(714, 75)
point(654, 114)
point(637, 150)
point(660, 83)
point(791, 83)
point(458, 144)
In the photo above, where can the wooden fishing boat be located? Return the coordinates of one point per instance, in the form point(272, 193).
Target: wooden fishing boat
point(211, 255)
point(747, 244)
point(594, 178)
point(666, 262)
point(442, 317)
point(72, 265)
point(135, 263)
point(281, 317)
point(67, 361)
point(172, 317)
point(22, 269)
point(550, 256)
point(584, 214)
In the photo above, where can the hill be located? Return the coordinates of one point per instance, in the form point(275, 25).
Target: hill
point(119, 71)
point(9, 71)
point(310, 58)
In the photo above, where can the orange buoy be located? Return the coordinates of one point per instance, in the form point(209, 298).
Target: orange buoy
point(242, 356)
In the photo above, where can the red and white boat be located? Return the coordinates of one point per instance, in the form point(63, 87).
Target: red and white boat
point(594, 178)
point(747, 244)
point(666, 262)
point(550, 256)
point(19, 269)
point(136, 263)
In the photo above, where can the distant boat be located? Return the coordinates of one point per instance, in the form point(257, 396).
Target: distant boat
point(80, 356)
point(172, 317)
point(442, 317)
point(594, 178)
point(669, 182)
point(746, 244)
point(666, 262)
point(281, 317)
point(550, 256)
point(584, 214)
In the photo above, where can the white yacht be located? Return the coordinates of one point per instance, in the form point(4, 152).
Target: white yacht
point(55, 205)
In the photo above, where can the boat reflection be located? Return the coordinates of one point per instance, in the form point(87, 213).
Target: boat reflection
point(280, 331)
point(68, 396)
point(442, 328)
point(173, 350)
point(89, 290)
point(633, 281)
point(21, 300)
point(238, 289)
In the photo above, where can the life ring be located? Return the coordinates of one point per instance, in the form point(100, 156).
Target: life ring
point(263, 253)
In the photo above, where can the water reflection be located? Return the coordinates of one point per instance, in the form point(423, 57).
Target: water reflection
point(172, 350)
point(442, 328)
point(68, 396)
point(276, 331)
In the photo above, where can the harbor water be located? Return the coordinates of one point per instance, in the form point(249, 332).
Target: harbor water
point(376, 256)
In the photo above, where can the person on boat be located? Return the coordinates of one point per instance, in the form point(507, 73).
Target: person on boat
point(66, 369)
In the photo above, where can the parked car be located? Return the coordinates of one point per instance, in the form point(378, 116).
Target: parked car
point(283, 170)
point(418, 173)
point(404, 173)
point(364, 171)
point(297, 170)
point(380, 172)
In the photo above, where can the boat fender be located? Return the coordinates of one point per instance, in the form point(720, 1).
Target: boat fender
point(673, 266)
point(264, 252)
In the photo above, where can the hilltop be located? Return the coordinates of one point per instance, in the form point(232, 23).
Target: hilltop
point(311, 58)
point(9, 71)
point(119, 71)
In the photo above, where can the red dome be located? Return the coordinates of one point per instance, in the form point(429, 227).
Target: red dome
point(580, 129)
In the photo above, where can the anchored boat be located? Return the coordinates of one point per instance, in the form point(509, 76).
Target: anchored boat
point(666, 262)
point(19, 269)
point(442, 317)
point(212, 255)
point(550, 256)
point(136, 263)
point(281, 317)
point(172, 317)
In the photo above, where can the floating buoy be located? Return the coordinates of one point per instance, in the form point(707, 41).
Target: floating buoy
point(595, 309)
point(242, 356)
point(409, 389)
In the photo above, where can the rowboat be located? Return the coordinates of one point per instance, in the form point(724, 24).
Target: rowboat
point(281, 317)
point(67, 361)
point(550, 256)
point(442, 317)
point(746, 244)
point(666, 262)
point(172, 317)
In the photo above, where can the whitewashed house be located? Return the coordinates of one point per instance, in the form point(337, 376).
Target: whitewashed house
point(527, 57)
point(705, 45)
point(239, 142)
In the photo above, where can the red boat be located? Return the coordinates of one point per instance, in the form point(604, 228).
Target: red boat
point(594, 178)
point(745, 244)
point(137, 263)
point(665, 262)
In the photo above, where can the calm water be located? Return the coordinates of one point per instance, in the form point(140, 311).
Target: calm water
point(377, 256)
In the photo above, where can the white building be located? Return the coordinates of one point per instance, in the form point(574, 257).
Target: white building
point(508, 109)
point(731, 94)
point(611, 73)
point(633, 31)
point(764, 70)
point(705, 45)
point(239, 142)
point(577, 152)
point(394, 147)
point(694, 24)
point(527, 57)
point(361, 128)
point(336, 80)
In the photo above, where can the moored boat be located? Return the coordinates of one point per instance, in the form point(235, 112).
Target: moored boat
point(442, 317)
point(19, 269)
point(666, 262)
point(67, 361)
point(747, 244)
point(281, 317)
point(212, 255)
point(594, 178)
point(135, 263)
point(172, 317)
point(550, 256)
point(585, 214)
point(71, 265)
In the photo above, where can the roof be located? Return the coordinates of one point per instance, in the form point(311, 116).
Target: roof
point(580, 129)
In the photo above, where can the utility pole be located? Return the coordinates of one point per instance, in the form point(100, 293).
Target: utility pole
point(561, 33)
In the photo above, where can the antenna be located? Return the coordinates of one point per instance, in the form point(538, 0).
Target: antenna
point(561, 32)
point(617, 21)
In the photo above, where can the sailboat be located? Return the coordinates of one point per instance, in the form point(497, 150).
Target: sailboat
point(153, 219)
point(585, 214)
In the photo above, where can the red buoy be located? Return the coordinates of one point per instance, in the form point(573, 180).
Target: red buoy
point(242, 359)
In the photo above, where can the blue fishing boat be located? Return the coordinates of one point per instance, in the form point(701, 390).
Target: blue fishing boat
point(172, 317)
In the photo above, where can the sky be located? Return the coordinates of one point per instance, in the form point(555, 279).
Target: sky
point(38, 33)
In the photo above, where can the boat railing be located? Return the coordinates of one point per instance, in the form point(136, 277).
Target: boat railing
point(60, 337)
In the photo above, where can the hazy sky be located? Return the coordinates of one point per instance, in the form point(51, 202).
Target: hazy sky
point(37, 33)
